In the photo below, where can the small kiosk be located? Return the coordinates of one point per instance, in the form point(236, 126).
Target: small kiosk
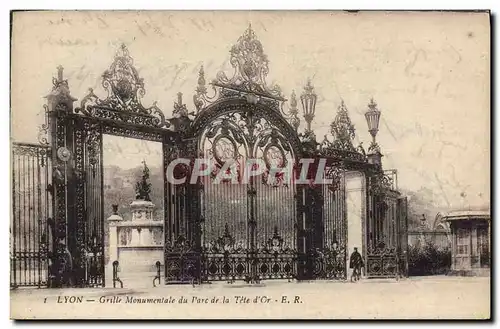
point(470, 232)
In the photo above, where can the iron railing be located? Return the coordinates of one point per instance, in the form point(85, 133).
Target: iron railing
point(30, 238)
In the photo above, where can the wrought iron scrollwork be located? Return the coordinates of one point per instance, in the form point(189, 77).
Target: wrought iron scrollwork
point(93, 144)
point(181, 245)
point(250, 118)
point(44, 127)
point(381, 183)
point(382, 261)
point(381, 249)
point(236, 131)
point(343, 133)
point(330, 263)
point(335, 173)
point(125, 89)
point(342, 130)
point(250, 68)
point(41, 152)
point(248, 82)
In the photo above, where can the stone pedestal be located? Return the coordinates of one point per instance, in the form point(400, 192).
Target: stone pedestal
point(142, 210)
point(113, 222)
point(140, 240)
point(136, 244)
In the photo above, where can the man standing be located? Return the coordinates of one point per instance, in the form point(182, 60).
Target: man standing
point(356, 263)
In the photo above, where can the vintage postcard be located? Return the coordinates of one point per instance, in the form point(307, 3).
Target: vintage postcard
point(250, 165)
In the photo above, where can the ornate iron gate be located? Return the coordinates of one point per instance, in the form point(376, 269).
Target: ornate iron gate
point(384, 250)
point(264, 228)
point(30, 236)
point(249, 226)
point(330, 238)
point(247, 230)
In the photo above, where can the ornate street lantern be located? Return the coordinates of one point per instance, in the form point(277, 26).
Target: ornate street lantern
point(308, 99)
point(372, 119)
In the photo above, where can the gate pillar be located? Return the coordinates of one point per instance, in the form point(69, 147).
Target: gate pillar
point(59, 104)
point(356, 214)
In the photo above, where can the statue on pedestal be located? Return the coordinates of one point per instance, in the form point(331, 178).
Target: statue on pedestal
point(143, 187)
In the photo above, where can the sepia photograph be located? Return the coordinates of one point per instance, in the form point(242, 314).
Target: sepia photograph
point(321, 165)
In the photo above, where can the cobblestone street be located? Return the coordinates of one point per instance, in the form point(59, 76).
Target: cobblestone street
point(425, 297)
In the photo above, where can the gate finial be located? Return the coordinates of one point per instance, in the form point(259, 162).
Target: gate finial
point(60, 96)
point(201, 90)
point(180, 109)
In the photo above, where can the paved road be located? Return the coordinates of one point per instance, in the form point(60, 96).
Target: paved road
point(430, 297)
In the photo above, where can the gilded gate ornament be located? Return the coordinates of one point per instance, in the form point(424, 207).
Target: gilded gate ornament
point(63, 154)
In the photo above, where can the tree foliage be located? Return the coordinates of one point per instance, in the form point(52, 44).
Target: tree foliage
point(428, 259)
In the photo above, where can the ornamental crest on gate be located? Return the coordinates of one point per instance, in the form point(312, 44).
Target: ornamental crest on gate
point(251, 67)
point(342, 130)
point(343, 133)
point(125, 89)
point(123, 83)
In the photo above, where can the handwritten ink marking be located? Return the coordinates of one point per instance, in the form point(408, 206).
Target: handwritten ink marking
point(102, 23)
point(417, 55)
point(60, 22)
point(202, 24)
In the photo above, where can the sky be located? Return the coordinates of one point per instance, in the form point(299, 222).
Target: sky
point(428, 72)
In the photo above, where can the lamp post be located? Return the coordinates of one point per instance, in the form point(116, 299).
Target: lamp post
point(308, 99)
point(372, 119)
